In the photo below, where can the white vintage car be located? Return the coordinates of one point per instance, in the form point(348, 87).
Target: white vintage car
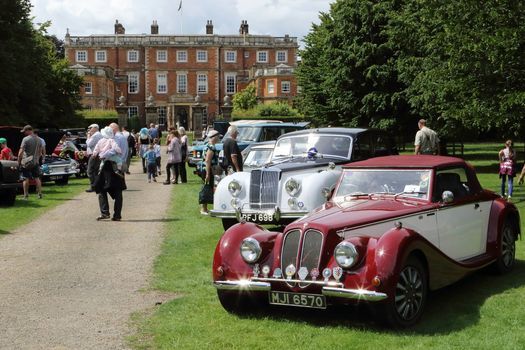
point(301, 176)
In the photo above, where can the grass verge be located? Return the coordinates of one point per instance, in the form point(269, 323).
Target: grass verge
point(481, 312)
point(26, 211)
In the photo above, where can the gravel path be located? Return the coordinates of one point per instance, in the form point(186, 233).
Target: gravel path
point(70, 282)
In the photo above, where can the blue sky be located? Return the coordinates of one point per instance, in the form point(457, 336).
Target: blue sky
point(272, 17)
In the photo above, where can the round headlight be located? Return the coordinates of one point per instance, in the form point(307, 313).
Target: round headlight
point(250, 250)
point(345, 254)
point(292, 187)
point(235, 188)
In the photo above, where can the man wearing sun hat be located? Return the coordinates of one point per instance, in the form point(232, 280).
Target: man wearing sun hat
point(5, 153)
point(93, 137)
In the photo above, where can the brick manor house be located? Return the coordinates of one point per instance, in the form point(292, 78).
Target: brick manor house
point(169, 71)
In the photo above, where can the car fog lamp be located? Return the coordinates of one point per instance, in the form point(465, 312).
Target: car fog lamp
point(292, 187)
point(250, 250)
point(345, 254)
point(235, 188)
point(235, 202)
point(292, 203)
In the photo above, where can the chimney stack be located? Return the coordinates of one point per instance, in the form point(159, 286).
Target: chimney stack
point(243, 30)
point(209, 27)
point(119, 28)
point(154, 28)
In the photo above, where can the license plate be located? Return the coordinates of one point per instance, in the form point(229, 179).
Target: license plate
point(298, 299)
point(55, 177)
point(257, 217)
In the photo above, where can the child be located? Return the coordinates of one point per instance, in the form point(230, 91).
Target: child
point(151, 162)
point(108, 150)
point(156, 147)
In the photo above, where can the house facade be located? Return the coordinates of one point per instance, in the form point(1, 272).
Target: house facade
point(170, 71)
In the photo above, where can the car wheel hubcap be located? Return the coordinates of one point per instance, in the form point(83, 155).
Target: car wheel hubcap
point(409, 293)
point(508, 247)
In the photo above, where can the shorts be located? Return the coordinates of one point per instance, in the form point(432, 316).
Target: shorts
point(31, 173)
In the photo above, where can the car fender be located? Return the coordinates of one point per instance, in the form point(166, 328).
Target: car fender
point(227, 257)
point(222, 196)
point(500, 211)
point(310, 196)
point(386, 258)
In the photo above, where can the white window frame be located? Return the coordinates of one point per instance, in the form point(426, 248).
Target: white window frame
point(202, 82)
point(101, 52)
point(283, 84)
point(205, 55)
point(78, 54)
point(272, 82)
point(182, 59)
point(137, 76)
point(162, 114)
point(88, 88)
point(160, 53)
point(230, 75)
point(135, 112)
point(234, 53)
point(259, 56)
point(181, 81)
point(162, 83)
point(285, 56)
point(131, 53)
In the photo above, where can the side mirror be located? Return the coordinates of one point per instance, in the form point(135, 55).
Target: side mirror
point(447, 197)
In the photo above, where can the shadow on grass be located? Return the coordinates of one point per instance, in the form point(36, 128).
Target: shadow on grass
point(2, 232)
point(449, 309)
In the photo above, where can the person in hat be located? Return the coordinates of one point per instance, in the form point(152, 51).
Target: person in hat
point(28, 157)
point(212, 162)
point(5, 152)
point(93, 137)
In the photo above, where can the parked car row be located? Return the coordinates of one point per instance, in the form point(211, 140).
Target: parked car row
point(372, 228)
point(55, 166)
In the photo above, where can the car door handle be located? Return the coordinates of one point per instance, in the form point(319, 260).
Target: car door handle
point(430, 214)
point(476, 206)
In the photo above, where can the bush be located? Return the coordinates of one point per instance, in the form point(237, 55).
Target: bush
point(102, 117)
point(278, 111)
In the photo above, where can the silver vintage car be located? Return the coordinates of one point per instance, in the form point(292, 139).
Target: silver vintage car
point(301, 175)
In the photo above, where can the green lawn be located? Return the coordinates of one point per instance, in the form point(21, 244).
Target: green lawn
point(26, 211)
point(481, 312)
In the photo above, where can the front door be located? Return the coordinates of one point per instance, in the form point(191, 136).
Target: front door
point(181, 116)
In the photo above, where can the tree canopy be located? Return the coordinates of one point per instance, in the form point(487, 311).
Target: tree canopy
point(458, 63)
point(37, 86)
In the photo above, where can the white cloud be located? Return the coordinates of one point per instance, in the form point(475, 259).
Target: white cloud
point(272, 17)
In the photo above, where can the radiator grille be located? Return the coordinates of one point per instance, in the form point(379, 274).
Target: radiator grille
point(310, 253)
point(264, 185)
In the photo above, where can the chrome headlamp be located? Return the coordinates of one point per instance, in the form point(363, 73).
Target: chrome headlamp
point(250, 250)
point(292, 187)
point(235, 188)
point(346, 254)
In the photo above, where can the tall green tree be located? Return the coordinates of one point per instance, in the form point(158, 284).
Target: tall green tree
point(348, 71)
point(36, 86)
point(463, 62)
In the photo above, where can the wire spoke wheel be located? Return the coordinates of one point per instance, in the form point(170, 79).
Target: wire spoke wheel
point(409, 296)
point(508, 247)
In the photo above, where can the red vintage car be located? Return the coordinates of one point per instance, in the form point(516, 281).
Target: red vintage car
point(395, 228)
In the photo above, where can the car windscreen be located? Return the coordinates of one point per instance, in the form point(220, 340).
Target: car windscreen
point(397, 182)
point(246, 134)
point(258, 157)
point(336, 146)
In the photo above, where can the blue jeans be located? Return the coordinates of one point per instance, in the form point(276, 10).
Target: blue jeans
point(511, 184)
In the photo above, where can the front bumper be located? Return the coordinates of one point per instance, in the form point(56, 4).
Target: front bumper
point(331, 289)
point(241, 214)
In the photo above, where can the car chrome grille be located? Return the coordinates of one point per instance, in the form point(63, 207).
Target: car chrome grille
point(308, 256)
point(264, 185)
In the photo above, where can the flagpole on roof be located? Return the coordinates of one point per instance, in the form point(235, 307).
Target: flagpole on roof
point(180, 10)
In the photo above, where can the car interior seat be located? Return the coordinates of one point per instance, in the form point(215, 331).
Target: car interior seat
point(449, 182)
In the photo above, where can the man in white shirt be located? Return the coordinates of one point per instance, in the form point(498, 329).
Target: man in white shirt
point(93, 137)
point(427, 141)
